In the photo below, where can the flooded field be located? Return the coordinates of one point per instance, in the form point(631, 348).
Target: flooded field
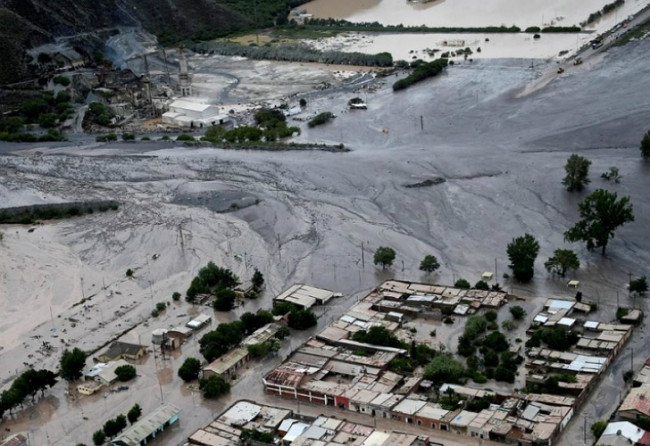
point(465, 12)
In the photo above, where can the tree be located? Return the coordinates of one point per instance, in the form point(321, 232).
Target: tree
point(99, 437)
point(577, 173)
point(72, 364)
point(645, 145)
point(598, 428)
point(190, 369)
point(462, 283)
point(517, 312)
point(429, 264)
point(214, 386)
point(302, 319)
point(496, 341)
point(522, 252)
point(561, 261)
point(134, 413)
point(225, 300)
point(176, 296)
point(639, 285)
point(377, 335)
point(601, 212)
point(258, 280)
point(482, 285)
point(491, 316)
point(444, 369)
point(303, 102)
point(111, 428)
point(384, 256)
point(129, 272)
point(125, 372)
point(120, 422)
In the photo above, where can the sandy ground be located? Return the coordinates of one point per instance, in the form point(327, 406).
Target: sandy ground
point(502, 157)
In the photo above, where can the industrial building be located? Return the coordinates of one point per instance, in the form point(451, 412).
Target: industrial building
point(148, 427)
point(199, 322)
point(189, 113)
point(304, 296)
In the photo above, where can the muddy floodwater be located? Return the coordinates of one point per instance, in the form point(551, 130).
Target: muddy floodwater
point(317, 217)
point(464, 12)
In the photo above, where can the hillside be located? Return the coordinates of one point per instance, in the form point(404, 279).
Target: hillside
point(26, 23)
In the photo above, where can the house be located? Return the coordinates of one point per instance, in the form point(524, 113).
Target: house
point(15, 440)
point(227, 365)
point(180, 333)
point(148, 427)
point(89, 387)
point(632, 434)
point(636, 404)
point(123, 350)
point(304, 296)
point(104, 373)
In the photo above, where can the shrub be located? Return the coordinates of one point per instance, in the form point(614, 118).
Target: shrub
point(482, 285)
point(303, 102)
point(320, 119)
point(190, 369)
point(639, 285)
point(517, 312)
point(185, 137)
point(462, 283)
point(214, 386)
point(125, 372)
point(176, 296)
point(491, 316)
point(99, 437)
point(598, 428)
point(422, 72)
point(134, 413)
point(225, 300)
point(128, 137)
point(61, 80)
point(129, 272)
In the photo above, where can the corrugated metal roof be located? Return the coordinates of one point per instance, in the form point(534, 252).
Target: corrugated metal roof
point(147, 425)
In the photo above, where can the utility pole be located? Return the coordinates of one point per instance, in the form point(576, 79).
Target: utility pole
point(496, 274)
point(421, 122)
point(363, 260)
point(584, 430)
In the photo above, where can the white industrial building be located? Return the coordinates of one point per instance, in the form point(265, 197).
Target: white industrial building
point(188, 113)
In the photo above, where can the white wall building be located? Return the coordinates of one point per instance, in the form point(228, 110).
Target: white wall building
point(188, 113)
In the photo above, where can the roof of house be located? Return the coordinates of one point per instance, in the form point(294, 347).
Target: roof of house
point(463, 418)
point(409, 406)
point(637, 400)
point(304, 295)
point(242, 411)
point(106, 371)
point(146, 425)
point(117, 349)
point(190, 105)
point(628, 430)
point(224, 363)
point(15, 440)
point(204, 438)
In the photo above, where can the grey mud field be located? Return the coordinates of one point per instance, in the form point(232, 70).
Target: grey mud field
point(306, 214)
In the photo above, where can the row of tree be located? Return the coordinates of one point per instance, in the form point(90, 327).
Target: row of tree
point(115, 425)
point(28, 383)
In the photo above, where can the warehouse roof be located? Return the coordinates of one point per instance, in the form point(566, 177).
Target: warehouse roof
point(147, 425)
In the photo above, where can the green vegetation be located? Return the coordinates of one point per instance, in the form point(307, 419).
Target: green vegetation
point(99, 113)
point(109, 137)
point(522, 252)
point(214, 386)
point(72, 364)
point(344, 25)
point(26, 384)
point(384, 256)
point(429, 264)
point(645, 145)
point(462, 283)
point(561, 29)
point(254, 435)
point(601, 214)
point(561, 261)
point(474, 327)
point(99, 437)
point(134, 413)
point(264, 349)
point(257, 280)
point(555, 338)
point(621, 313)
point(125, 372)
point(482, 285)
point(176, 296)
point(577, 173)
point(444, 369)
point(639, 285)
point(184, 137)
point(294, 53)
point(302, 319)
point(378, 335)
point(211, 277)
point(190, 369)
point(217, 342)
point(61, 80)
point(517, 312)
point(253, 321)
point(128, 136)
point(129, 272)
point(609, 7)
point(114, 426)
point(48, 111)
point(421, 72)
point(599, 426)
point(320, 119)
point(613, 174)
point(225, 300)
point(37, 213)
point(274, 124)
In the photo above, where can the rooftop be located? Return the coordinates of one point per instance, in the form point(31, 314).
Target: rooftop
point(224, 363)
point(637, 400)
point(148, 424)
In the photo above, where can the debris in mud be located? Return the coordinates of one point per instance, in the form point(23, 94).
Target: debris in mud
point(426, 183)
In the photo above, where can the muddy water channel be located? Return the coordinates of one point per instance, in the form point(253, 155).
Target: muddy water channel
point(458, 12)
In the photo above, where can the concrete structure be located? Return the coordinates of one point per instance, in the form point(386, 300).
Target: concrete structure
point(189, 113)
point(88, 388)
point(304, 296)
point(123, 350)
point(199, 322)
point(630, 432)
point(636, 404)
point(148, 427)
point(184, 78)
point(227, 365)
point(182, 334)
